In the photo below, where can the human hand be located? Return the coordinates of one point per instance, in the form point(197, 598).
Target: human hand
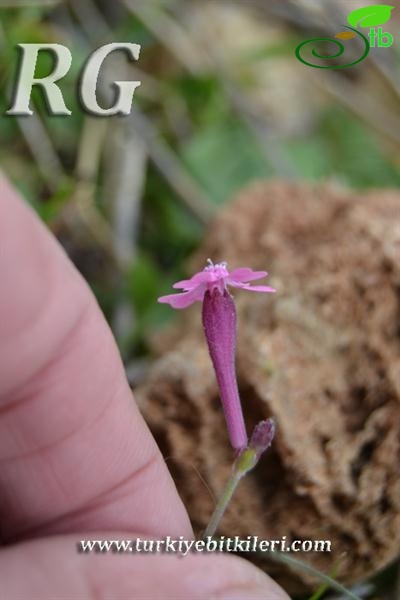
point(77, 459)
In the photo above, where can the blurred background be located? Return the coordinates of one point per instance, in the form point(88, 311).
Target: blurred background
point(223, 101)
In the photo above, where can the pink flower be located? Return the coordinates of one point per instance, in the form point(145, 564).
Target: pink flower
point(219, 322)
point(214, 277)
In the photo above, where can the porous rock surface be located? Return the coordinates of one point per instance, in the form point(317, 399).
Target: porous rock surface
point(322, 356)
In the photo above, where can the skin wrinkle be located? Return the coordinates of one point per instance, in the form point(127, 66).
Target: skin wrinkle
point(36, 396)
point(100, 501)
point(101, 416)
point(65, 345)
point(38, 326)
point(35, 452)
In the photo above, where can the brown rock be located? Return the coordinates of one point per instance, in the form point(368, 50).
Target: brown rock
point(322, 357)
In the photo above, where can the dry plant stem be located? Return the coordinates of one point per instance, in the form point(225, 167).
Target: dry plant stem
point(170, 166)
point(38, 140)
point(363, 108)
point(27, 3)
point(222, 504)
point(127, 161)
point(91, 144)
point(91, 19)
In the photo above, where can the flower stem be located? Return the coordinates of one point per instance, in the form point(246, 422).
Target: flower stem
point(222, 504)
point(244, 462)
point(302, 566)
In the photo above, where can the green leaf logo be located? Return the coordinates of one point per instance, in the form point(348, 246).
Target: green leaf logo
point(370, 16)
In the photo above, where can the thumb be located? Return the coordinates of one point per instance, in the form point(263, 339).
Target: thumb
point(52, 568)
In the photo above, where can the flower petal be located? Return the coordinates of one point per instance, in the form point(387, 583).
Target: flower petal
point(252, 288)
point(260, 288)
point(198, 278)
point(185, 284)
point(245, 274)
point(185, 299)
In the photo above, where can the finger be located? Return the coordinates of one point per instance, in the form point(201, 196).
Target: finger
point(52, 568)
point(74, 450)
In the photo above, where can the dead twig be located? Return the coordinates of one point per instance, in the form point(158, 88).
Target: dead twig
point(170, 166)
point(126, 159)
point(41, 148)
point(364, 108)
point(28, 3)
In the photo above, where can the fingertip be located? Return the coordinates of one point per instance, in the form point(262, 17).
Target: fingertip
point(53, 568)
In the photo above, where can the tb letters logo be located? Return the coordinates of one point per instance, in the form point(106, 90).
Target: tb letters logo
point(371, 17)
